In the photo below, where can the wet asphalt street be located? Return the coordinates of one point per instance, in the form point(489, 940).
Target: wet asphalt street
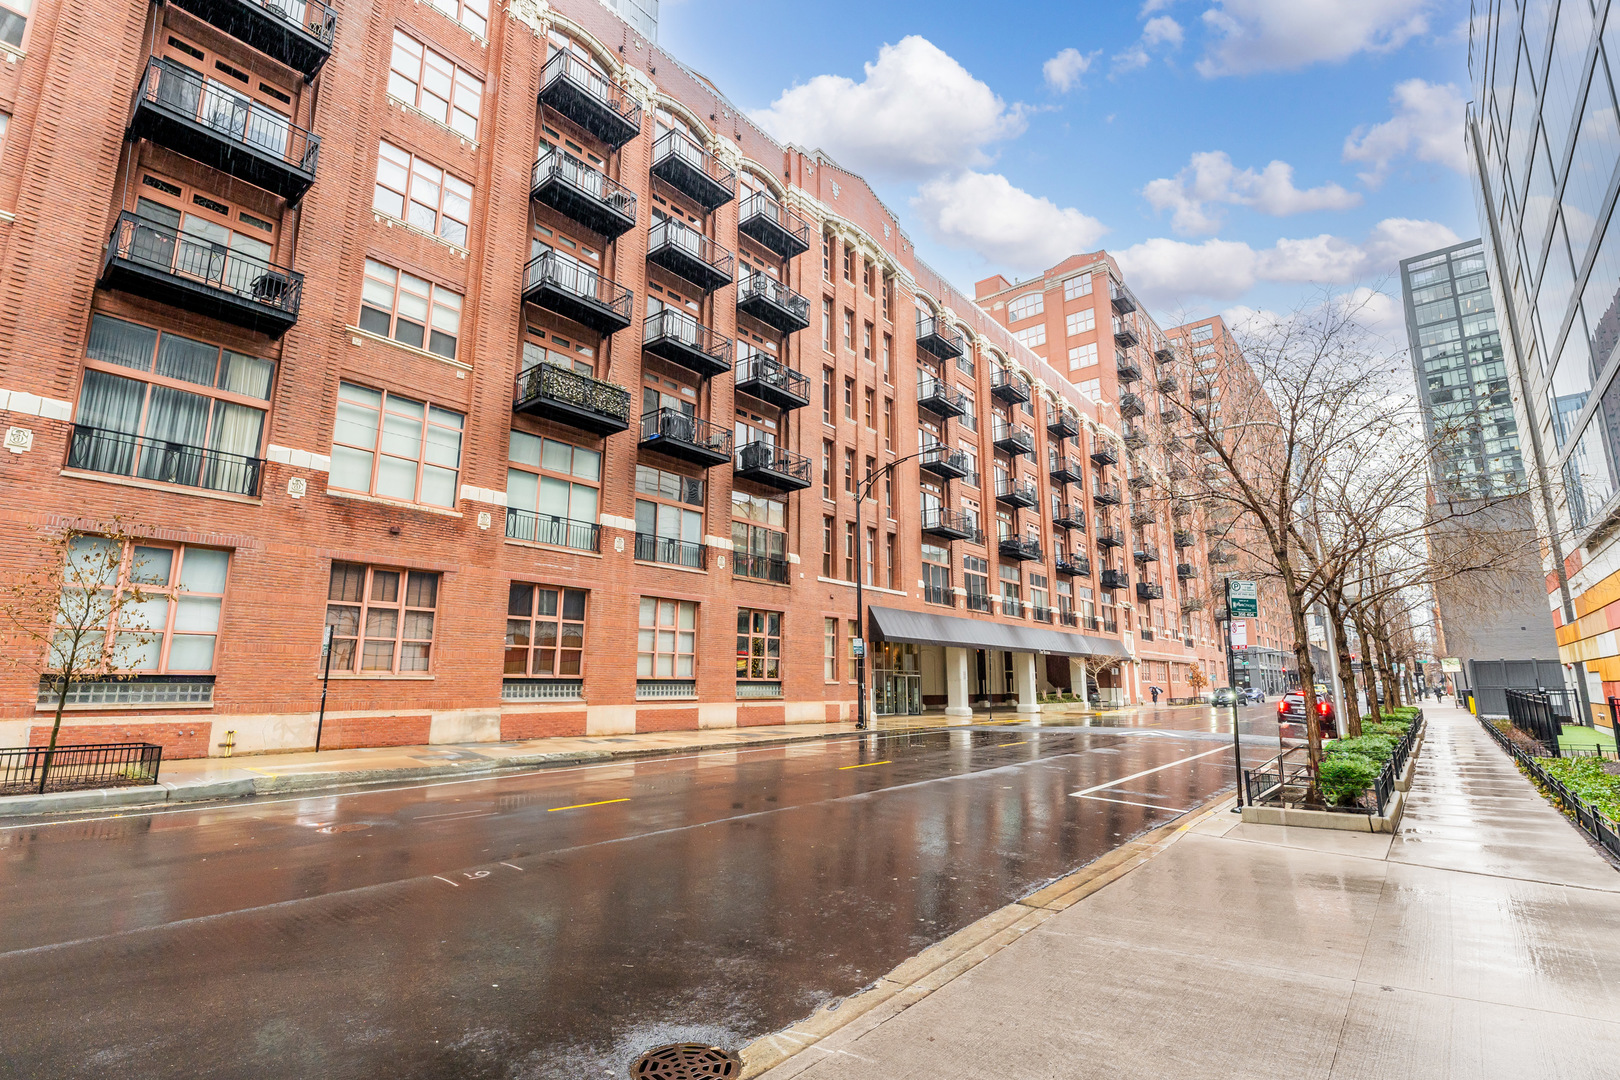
point(554, 925)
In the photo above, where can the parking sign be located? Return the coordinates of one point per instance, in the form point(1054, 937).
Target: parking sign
point(1242, 600)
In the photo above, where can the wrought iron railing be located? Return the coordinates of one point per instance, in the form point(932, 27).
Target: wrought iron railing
point(762, 207)
point(232, 117)
point(759, 567)
point(550, 529)
point(978, 601)
point(38, 769)
point(677, 145)
point(938, 337)
point(664, 549)
point(551, 382)
point(311, 16)
point(565, 65)
point(768, 288)
point(1586, 815)
point(770, 458)
point(166, 248)
point(558, 164)
point(677, 426)
point(679, 236)
point(766, 370)
point(672, 325)
point(121, 454)
point(575, 278)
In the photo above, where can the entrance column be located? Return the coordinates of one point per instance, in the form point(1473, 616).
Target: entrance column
point(1024, 678)
point(1077, 680)
point(956, 686)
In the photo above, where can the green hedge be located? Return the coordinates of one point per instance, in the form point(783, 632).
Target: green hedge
point(1585, 776)
point(1345, 776)
point(1379, 748)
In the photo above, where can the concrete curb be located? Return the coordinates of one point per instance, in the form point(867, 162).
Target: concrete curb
point(943, 961)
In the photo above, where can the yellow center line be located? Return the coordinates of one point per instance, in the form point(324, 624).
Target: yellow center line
point(1020, 742)
point(583, 805)
point(868, 765)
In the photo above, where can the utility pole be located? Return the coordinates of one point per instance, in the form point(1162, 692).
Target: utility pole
point(857, 644)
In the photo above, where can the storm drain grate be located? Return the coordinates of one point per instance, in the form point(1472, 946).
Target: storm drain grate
point(686, 1061)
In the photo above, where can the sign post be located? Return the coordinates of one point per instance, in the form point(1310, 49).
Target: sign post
point(1242, 601)
point(326, 679)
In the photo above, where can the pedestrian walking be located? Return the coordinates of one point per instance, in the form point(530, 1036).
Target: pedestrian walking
point(1154, 690)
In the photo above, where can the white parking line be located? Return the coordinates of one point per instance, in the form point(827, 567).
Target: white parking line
point(1127, 802)
point(1146, 772)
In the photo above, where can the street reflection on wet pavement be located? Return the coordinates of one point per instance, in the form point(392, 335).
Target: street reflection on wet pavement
point(556, 924)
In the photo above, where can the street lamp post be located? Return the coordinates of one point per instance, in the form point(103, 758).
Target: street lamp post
point(863, 488)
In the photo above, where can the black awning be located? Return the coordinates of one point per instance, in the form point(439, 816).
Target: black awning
point(926, 628)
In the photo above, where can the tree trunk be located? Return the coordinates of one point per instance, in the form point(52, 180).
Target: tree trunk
point(1386, 663)
point(56, 728)
point(1302, 656)
point(1350, 712)
point(1369, 675)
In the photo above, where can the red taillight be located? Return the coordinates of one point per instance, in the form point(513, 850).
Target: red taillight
point(1282, 706)
point(1322, 707)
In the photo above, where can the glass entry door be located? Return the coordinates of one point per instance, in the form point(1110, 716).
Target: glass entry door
point(897, 679)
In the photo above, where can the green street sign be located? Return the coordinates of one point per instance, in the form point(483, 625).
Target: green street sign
point(1242, 600)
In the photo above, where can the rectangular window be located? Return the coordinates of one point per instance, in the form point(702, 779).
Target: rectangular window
point(1078, 322)
point(1027, 306)
point(829, 650)
point(936, 568)
point(826, 395)
point(849, 551)
point(473, 14)
point(866, 342)
point(870, 562)
point(666, 639)
point(826, 258)
point(545, 631)
point(826, 324)
point(174, 628)
point(849, 474)
point(871, 467)
point(890, 570)
point(854, 664)
point(970, 416)
point(381, 618)
point(888, 372)
point(849, 330)
point(412, 311)
point(849, 399)
point(421, 194)
point(669, 517)
point(827, 547)
point(888, 423)
point(888, 495)
point(1032, 336)
point(432, 84)
point(826, 469)
point(976, 582)
point(1076, 287)
point(395, 447)
point(849, 264)
point(887, 311)
point(14, 21)
point(759, 645)
point(1090, 388)
point(871, 409)
point(1082, 356)
point(552, 492)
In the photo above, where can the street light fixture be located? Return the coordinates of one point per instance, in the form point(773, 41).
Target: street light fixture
point(863, 488)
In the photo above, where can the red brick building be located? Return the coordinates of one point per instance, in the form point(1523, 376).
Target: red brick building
point(504, 346)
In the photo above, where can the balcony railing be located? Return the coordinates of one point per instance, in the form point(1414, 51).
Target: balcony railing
point(297, 33)
point(1009, 387)
point(1135, 437)
point(1186, 571)
point(1063, 425)
point(1138, 481)
point(1127, 368)
point(1164, 354)
point(948, 524)
point(1183, 539)
point(1167, 384)
point(1065, 470)
point(977, 601)
point(673, 432)
point(1110, 537)
point(1073, 565)
point(120, 454)
point(163, 263)
point(1015, 439)
point(1068, 618)
point(573, 290)
point(1106, 495)
point(944, 462)
point(1040, 614)
point(940, 398)
point(773, 466)
point(938, 337)
point(773, 225)
point(1125, 337)
point(772, 303)
point(664, 549)
point(681, 163)
point(1192, 603)
point(549, 529)
point(177, 108)
point(687, 253)
point(583, 194)
point(1122, 301)
point(745, 564)
point(1020, 547)
point(1114, 579)
point(1020, 493)
point(681, 339)
point(1146, 591)
point(1131, 405)
point(1142, 517)
point(1012, 607)
point(1221, 557)
point(1105, 453)
point(586, 97)
point(555, 393)
point(767, 378)
point(1070, 516)
point(1145, 552)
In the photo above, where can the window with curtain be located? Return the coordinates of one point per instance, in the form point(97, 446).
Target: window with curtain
point(669, 517)
point(395, 447)
point(381, 618)
point(170, 408)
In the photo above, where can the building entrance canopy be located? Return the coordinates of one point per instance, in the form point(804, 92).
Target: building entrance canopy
point(926, 628)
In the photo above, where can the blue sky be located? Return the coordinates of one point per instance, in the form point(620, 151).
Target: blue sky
point(1058, 127)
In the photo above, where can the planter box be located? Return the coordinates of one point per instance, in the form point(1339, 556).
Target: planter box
point(1387, 822)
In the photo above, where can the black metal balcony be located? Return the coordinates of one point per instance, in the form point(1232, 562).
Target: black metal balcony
point(583, 194)
point(1145, 552)
point(1015, 439)
point(1177, 471)
point(773, 467)
point(681, 163)
point(1070, 516)
point(1221, 557)
point(665, 549)
point(1114, 579)
point(938, 337)
point(585, 96)
point(1135, 438)
point(1183, 539)
point(948, 524)
point(1139, 481)
point(148, 258)
point(1040, 614)
point(1164, 354)
point(1125, 336)
point(1122, 301)
point(1065, 470)
point(1126, 367)
point(681, 339)
point(1009, 387)
point(1011, 606)
point(746, 564)
point(1169, 416)
point(1105, 453)
point(1192, 603)
point(555, 393)
point(1142, 516)
point(940, 398)
point(1018, 493)
point(1186, 571)
point(977, 601)
point(1021, 548)
point(576, 292)
point(1106, 495)
point(673, 432)
point(684, 251)
point(773, 225)
point(297, 34)
point(1200, 393)
point(1072, 565)
point(1130, 405)
point(767, 378)
point(944, 462)
point(176, 108)
point(549, 529)
point(1110, 536)
point(1147, 591)
point(121, 454)
point(772, 303)
point(1063, 425)
point(1167, 384)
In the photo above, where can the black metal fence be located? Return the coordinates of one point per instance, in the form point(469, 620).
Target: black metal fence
point(1533, 712)
point(1588, 817)
point(125, 454)
point(1286, 778)
point(34, 769)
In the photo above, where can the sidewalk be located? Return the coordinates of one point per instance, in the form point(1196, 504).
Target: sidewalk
point(1479, 941)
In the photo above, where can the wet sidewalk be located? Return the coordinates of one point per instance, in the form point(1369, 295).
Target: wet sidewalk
point(1479, 941)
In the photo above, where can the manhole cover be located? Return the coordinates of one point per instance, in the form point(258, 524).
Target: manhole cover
point(686, 1061)
point(352, 826)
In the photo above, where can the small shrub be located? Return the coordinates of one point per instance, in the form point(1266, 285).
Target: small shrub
point(1345, 776)
point(1525, 742)
point(1379, 748)
point(1395, 729)
point(1588, 778)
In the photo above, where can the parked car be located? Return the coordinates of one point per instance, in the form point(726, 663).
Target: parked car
point(1254, 696)
point(1224, 695)
point(1291, 716)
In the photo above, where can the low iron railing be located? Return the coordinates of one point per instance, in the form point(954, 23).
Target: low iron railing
point(759, 567)
point(230, 116)
point(767, 457)
point(664, 549)
point(122, 454)
point(1586, 816)
point(560, 165)
point(677, 426)
point(551, 382)
point(203, 262)
point(549, 529)
point(38, 769)
point(576, 279)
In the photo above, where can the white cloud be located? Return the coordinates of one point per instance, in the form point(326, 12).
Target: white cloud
point(917, 112)
point(1162, 30)
point(1210, 181)
point(1171, 272)
point(1064, 70)
point(1150, 6)
point(1427, 123)
point(1284, 35)
point(1009, 227)
point(1131, 59)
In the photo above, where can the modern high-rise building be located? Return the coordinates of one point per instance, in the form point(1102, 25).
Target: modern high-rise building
point(1467, 407)
point(1544, 145)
